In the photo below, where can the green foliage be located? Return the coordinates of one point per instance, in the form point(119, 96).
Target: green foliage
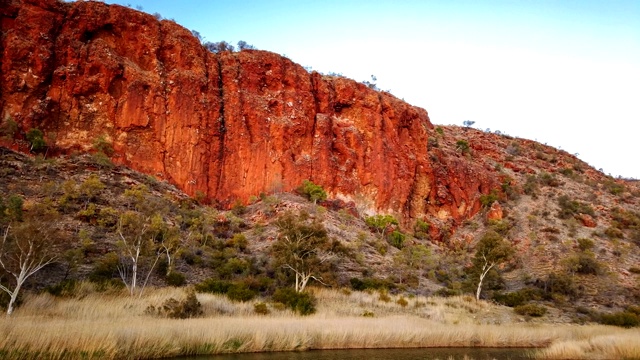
point(569, 208)
point(585, 244)
point(533, 310)
point(312, 191)
point(371, 284)
point(516, 298)
point(261, 308)
point(12, 209)
point(502, 227)
point(531, 186)
point(584, 263)
point(547, 179)
point(488, 199)
point(557, 283)
point(175, 278)
point(301, 247)
point(8, 129)
point(213, 286)
point(103, 146)
point(622, 318)
point(463, 146)
point(238, 208)
point(235, 290)
point(380, 223)
point(36, 138)
point(240, 291)
point(440, 131)
point(105, 269)
point(614, 187)
point(397, 238)
point(491, 251)
point(301, 302)
point(421, 230)
point(64, 288)
point(189, 307)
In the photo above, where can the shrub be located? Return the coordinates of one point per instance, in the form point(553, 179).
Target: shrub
point(421, 229)
point(547, 179)
point(240, 291)
point(585, 244)
point(530, 310)
point(9, 129)
point(261, 308)
point(36, 138)
point(190, 307)
point(312, 191)
point(463, 146)
point(516, 298)
point(531, 186)
point(175, 279)
point(585, 263)
point(300, 302)
point(569, 207)
point(64, 288)
point(213, 286)
point(102, 145)
point(370, 284)
point(402, 301)
point(396, 239)
point(488, 199)
point(623, 318)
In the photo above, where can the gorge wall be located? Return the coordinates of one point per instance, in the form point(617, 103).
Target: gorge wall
point(227, 125)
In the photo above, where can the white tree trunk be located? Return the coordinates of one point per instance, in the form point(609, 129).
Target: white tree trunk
point(485, 270)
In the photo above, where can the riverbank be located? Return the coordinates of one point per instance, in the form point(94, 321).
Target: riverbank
point(113, 325)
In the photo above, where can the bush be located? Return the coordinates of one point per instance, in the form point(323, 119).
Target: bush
point(213, 286)
point(261, 308)
point(176, 279)
point(370, 284)
point(623, 318)
point(530, 310)
point(516, 298)
point(63, 289)
point(240, 291)
point(36, 138)
point(312, 191)
point(300, 302)
point(585, 263)
point(569, 207)
point(585, 244)
point(190, 307)
point(396, 239)
point(463, 146)
point(488, 199)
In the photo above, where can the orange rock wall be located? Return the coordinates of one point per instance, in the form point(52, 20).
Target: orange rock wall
point(228, 125)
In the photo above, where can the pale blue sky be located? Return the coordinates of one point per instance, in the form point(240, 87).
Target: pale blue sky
point(565, 73)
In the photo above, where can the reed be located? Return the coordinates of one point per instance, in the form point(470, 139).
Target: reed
point(110, 326)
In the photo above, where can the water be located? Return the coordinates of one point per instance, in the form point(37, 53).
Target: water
point(380, 354)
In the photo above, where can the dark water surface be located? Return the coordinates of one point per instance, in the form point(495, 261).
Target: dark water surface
point(381, 354)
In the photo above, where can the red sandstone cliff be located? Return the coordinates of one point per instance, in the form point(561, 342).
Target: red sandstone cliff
point(229, 125)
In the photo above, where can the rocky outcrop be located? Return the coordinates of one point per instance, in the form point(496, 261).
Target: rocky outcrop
point(225, 126)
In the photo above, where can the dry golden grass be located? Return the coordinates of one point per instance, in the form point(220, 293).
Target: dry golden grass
point(115, 326)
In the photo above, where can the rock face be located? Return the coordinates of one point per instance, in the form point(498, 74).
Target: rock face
point(225, 126)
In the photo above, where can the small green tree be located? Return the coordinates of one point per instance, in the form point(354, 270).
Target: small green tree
point(491, 250)
point(36, 138)
point(302, 247)
point(380, 223)
point(27, 246)
point(312, 191)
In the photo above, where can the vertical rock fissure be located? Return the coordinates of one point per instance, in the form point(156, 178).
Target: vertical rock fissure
point(164, 81)
point(316, 110)
point(222, 128)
